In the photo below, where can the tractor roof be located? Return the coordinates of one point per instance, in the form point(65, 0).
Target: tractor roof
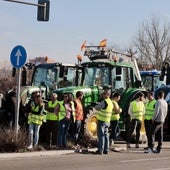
point(150, 72)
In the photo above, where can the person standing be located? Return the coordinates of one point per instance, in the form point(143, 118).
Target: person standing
point(79, 115)
point(114, 123)
point(10, 107)
point(28, 107)
point(161, 109)
point(64, 110)
point(167, 121)
point(51, 121)
point(149, 112)
point(103, 116)
point(136, 111)
point(35, 120)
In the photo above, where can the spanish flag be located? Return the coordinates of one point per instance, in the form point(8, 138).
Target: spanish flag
point(103, 43)
point(83, 46)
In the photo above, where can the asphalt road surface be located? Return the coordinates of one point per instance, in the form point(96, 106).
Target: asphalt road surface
point(132, 159)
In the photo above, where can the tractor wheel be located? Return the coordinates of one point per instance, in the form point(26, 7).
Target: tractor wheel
point(90, 125)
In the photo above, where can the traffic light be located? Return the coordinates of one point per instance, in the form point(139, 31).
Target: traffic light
point(43, 10)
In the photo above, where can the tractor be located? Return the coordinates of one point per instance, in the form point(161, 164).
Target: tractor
point(45, 78)
point(106, 68)
point(151, 79)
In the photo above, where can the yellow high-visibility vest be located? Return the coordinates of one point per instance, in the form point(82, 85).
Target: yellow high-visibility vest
point(115, 116)
point(62, 112)
point(149, 109)
point(35, 118)
point(138, 109)
point(51, 115)
point(105, 114)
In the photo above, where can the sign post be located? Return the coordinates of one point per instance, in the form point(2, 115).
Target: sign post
point(18, 57)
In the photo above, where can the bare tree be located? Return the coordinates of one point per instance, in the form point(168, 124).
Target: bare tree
point(152, 43)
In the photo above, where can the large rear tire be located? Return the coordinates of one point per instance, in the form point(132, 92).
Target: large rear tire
point(90, 125)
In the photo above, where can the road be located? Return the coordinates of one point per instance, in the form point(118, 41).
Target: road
point(133, 159)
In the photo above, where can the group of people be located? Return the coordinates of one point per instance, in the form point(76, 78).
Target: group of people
point(58, 116)
point(152, 111)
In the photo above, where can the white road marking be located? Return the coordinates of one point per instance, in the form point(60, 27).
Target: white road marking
point(161, 169)
point(140, 160)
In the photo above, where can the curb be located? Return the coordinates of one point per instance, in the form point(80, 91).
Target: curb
point(119, 148)
point(34, 154)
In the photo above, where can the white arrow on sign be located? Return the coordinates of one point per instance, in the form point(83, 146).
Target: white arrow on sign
point(18, 55)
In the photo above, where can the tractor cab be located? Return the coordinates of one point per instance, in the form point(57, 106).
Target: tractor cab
point(55, 75)
point(151, 79)
point(110, 68)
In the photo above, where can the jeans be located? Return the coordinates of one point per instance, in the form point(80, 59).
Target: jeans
point(34, 133)
point(103, 136)
point(64, 126)
point(77, 129)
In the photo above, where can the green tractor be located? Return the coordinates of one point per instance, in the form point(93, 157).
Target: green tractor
point(106, 69)
point(53, 76)
point(45, 78)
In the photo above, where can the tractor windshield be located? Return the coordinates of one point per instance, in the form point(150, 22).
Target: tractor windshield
point(151, 82)
point(45, 76)
point(119, 78)
point(54, 76)
point(96, 76)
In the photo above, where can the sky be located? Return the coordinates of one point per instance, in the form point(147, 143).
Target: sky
point(72, 22)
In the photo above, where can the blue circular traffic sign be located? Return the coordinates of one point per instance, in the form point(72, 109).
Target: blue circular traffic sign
point(18, 56)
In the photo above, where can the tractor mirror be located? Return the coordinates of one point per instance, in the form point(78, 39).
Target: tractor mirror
point(61, 73)
point(118, 70)
point(138, 84)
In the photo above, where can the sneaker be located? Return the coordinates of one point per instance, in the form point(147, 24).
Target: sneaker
point(105, 152)
point(156, 151)
point(146, 148)
point(98, 152)
point(149, 150)
point(30, 147)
